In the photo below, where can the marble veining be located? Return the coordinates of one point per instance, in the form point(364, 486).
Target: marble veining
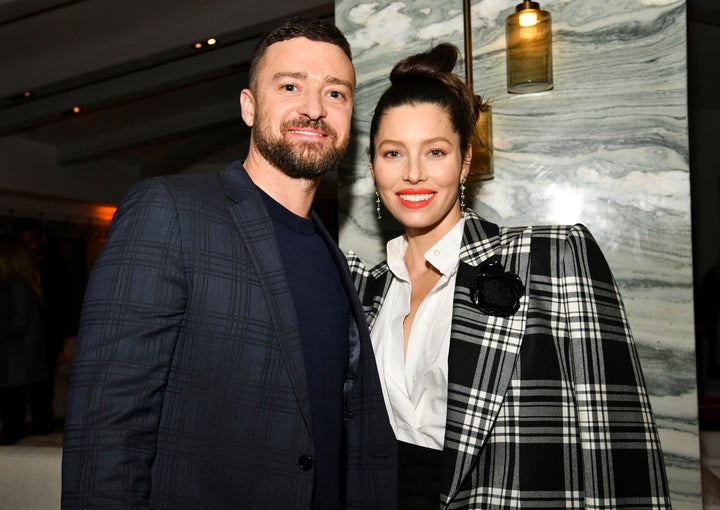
point(607, 147)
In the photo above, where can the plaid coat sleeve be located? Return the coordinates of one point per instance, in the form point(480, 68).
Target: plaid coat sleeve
point(621, 449)
point(548, 407)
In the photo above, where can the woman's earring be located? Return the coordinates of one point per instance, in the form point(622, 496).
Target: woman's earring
point(377, 205)
point(462, 197)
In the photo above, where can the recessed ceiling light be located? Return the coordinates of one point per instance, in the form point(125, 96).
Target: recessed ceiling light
point(76, 109)
point(197, 45)
point(211, 41)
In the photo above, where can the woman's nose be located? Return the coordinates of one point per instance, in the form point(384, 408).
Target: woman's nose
point(413, 171)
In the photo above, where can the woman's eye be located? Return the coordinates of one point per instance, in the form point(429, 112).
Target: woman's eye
point(392, 154)
point(437, 152)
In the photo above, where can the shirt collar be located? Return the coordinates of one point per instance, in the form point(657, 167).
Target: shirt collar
point(444, 255)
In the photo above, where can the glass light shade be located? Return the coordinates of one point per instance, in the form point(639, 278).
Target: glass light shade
point(481, 166)
point(529, 49)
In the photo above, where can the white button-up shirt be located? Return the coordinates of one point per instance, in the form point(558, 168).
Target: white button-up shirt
point(415, 384)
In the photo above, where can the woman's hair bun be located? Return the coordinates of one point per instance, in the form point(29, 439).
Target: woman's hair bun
point(428, 78)
point(438, 60)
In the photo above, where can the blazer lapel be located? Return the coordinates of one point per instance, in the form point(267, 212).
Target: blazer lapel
point(378, 283)
point(483, 349)
point(357, 317)
point(255, 228)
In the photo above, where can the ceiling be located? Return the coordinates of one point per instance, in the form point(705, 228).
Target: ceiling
point(148, 99)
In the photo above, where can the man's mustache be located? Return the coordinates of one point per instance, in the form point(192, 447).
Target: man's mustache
point(317, 125)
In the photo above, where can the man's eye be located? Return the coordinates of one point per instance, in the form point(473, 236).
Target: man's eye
point(336, 94)
point(289, 88)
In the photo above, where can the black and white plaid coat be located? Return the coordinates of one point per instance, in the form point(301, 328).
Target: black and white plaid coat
point(547, 408)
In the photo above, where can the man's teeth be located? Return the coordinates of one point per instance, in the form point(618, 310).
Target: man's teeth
point(416, 197)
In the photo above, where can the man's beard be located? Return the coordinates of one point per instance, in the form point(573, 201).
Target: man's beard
point(302, 160)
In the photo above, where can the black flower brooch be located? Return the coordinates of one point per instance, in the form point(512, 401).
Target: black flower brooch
point(496, 291)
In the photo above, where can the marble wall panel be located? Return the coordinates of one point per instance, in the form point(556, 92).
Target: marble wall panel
point(608, 147)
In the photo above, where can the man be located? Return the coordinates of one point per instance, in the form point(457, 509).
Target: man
point(223, 359)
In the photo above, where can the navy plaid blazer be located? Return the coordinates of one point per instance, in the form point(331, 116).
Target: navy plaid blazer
point(188, 387)
point(547, 408)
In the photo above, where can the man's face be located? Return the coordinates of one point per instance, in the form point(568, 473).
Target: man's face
point(301, 106)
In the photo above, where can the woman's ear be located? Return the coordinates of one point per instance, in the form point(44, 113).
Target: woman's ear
point(467, 160)
point(247, 107)
point(370, 163)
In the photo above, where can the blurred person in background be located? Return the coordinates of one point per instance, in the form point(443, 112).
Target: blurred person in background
point(61, 295)
point(24, 367)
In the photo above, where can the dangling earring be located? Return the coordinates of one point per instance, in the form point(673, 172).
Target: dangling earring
point(377, 205)
point(462, 197)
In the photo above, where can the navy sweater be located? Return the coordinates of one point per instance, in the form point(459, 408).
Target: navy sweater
point(322, 308)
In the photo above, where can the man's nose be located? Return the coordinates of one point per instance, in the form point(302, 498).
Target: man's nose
point(313, 106)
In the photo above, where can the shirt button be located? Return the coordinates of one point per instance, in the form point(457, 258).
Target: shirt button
point(414, 378)
point(305, 462)
point(436, 253)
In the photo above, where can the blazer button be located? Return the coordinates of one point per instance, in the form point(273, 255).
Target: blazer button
point(305, 462)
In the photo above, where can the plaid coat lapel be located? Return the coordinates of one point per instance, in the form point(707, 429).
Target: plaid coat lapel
point(483, 348)
point(372, 286)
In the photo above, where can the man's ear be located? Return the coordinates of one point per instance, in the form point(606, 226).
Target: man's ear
point(247, 107)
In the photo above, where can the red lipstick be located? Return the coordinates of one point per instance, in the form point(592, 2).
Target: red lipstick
point(415, 198)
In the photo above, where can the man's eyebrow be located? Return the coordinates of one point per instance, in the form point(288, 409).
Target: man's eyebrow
point(288, 74)
point(299, 75)
point(339, 81)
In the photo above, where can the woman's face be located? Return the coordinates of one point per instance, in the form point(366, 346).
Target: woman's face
point(418, 167)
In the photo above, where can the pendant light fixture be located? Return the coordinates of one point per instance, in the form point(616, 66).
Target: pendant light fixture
point(529, 49)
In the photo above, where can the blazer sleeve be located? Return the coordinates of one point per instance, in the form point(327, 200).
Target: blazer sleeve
point(131, 316)
point(623, 462)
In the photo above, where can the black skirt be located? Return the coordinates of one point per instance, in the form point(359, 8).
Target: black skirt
point(418, 477)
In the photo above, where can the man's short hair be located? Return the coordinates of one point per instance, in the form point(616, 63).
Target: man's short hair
point(289, 28)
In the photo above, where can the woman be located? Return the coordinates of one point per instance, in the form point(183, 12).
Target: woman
point(507, 364)
point(23, 360)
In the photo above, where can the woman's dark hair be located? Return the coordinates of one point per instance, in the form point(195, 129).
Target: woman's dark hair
point(428, 78)
point(290, 28)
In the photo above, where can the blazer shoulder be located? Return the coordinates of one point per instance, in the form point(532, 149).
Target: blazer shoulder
point(571, 237)
point(478, 230)
point(194, 187)
point(204, 185)
point(561, 231)
point(174, 188)
point(576, 238)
